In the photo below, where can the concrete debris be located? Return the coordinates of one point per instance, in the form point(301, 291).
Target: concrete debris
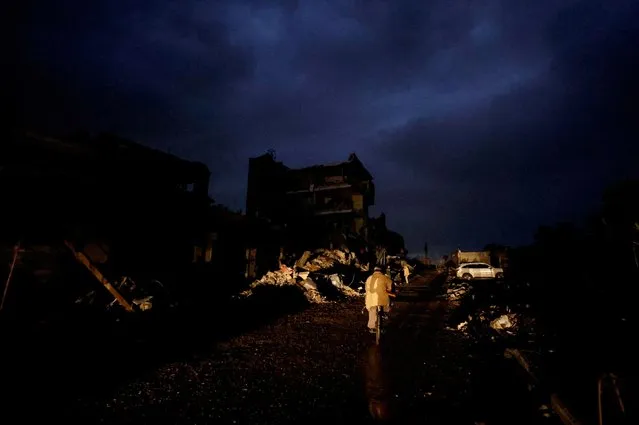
point(246, 293)
point(303, 259)
point(503, 322)
point(303, 275)
point(145, 294)
point(313, 296)
point(324, 259)
point(144, 304)
point(309, 284)
point(456, 293)
point(336, 280)
point(88, 298)
point(490, 312)
point(456, 290)
point(280, 277)
point(310, 270)
point(318, 264)
point(277, 278)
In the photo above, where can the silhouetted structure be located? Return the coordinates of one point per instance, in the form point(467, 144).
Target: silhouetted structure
point(129, 209)
point(460, 257)
point(321, 205)
point(107, 188)
point(380, 235)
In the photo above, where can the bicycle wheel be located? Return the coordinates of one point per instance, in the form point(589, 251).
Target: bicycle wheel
point(378, 328)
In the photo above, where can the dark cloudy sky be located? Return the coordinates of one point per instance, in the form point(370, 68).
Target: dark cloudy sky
point(480, 120)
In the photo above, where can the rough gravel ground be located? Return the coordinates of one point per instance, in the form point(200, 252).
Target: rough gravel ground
point(302, 367)
point(318, 365)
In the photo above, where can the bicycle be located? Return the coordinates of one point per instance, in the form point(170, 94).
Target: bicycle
point(378, 326)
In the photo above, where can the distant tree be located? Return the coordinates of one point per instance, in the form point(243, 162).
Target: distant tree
point(394, 242)
point(493, 247)
point(620, 219)
point(621, 209)
point(426, 249)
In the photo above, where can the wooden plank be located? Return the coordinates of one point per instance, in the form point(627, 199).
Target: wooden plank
point(557, 405)
point(562, 411)
point(98, 275)
point(16, 250)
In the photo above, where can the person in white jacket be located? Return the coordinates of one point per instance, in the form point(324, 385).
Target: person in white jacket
point(406, 268)
point(378, 288)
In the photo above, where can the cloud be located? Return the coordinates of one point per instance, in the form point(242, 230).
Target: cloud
point(479, 121)
point(159, 73)
point(539, 152)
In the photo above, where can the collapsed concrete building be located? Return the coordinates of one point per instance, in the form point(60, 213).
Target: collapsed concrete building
point(119, 207)
point(104, 186)
point(322, 204)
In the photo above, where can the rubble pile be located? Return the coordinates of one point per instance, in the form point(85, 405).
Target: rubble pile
point(287, 277)
point(487, 311)
point(277, 278)
point(504, 322)
point(311, 293)
point(336, 280)
point(455, 290)
point(314, 273)
point(508, 320)
point(144, 294)
point(509, 324)
point(323, 259)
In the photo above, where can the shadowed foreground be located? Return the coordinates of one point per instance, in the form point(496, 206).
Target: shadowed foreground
point(314, 365)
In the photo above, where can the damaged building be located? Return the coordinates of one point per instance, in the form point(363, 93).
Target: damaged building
point(317, 206)
point(118, 207)
point(494, 255)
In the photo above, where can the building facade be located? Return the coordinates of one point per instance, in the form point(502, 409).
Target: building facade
point(321, 202)
point(146, 208)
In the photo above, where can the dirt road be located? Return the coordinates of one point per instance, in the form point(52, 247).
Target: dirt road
point(316, 365)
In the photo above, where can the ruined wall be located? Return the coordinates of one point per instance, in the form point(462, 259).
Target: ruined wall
point(460, 257)
point(315, 204)
point(134, 209)
point(265, 197)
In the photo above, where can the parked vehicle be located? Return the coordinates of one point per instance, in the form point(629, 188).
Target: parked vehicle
point(471, 271)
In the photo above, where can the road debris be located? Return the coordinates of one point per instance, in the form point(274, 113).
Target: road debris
point(336, 280)
point(316, 274)
point(505, 321)
point(457, 292)
point(144, 304)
